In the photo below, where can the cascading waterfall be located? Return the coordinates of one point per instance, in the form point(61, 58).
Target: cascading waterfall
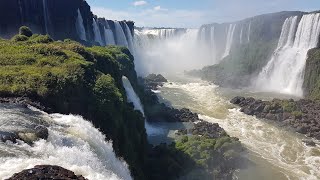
point(97, 34)
point(120, 36)
point(229, 40)
point(249, 31)
point(80, 27)
point(170, 55)
point(73, 143)
point(241, 34)
point(133, 98)
point(46, 15)
point(129, 38)
point(284, 71)
point(109, 37)
point(213, 44)
point(131, 95)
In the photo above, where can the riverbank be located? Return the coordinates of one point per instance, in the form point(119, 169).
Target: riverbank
point(301, 115)
point(204, 151)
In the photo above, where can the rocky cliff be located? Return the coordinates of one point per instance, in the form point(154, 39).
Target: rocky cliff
point(311, 83)
point(241, 49)
point(58, 18)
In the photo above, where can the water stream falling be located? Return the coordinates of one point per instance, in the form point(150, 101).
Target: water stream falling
point(284, 71)
point(249, 32)
point(229, 40)
point(120, 35)
point(129, 38)
point(97, 34)
point(80, 27)
point(46, 15)
point(109, 37)
point(73, 143)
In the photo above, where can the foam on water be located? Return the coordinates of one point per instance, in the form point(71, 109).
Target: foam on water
point(73, 143)
point(283, 149)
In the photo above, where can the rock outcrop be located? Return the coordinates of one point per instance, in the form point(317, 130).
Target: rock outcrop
point(302, 115)
point(46, 172)
point(57, 18)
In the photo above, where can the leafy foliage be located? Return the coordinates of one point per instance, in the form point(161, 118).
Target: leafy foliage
point(70, 78)
point(24, 30)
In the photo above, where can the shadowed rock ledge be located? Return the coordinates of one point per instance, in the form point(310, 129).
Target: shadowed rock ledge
point(46, 172)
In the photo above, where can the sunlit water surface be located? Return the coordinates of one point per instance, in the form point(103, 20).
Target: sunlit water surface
point(276, 153)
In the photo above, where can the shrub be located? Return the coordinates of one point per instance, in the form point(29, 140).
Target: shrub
point(18, 38)
point(24, 30)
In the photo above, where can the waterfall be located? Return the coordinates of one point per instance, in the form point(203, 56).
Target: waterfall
point(171, 55)
point(131, 95)
point(213, 44)
point(80, 27)
point(129, 38)
point(97, 34)
point(120, 36)
point(284, 71)
point(241, 34)
point(73, 143)
point(249, 31)
point(46, 15)
point(108, 34)
point(229, 40)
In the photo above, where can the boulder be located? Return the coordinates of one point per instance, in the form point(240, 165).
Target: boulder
point(46, 172)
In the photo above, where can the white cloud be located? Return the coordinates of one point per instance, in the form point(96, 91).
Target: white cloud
point(140, 3)
point(156, 17)
point(158, 8)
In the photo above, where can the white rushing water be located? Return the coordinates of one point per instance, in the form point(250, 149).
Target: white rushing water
point(170, 55)
point(109, 37)
point(120, 35)
point(80, 27)
point(241, 34)
point(213, 45)
point(129, 38)
point(249, 32)
point(73, 143)
point(96, 31)
point(284, 71)
point(229, 40)
point(276, 153)
point(133, 98)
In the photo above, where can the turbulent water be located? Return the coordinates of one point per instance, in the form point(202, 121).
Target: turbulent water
point(109, 37)
point(73, 143)
point(275, 152)
point(284, 72)
point(80, 27)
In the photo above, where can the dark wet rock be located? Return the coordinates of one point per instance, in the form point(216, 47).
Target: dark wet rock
point(309, 143)
point(42, 132)
point(25, 102)
point(182, 132)
point(211, 130)
point(302, 115)
point(8, 136)
point(46, 172)
point(168, 114)
point(153, 81)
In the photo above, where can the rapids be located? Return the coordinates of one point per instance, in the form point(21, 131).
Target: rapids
point(275, 152)
point(73, 143)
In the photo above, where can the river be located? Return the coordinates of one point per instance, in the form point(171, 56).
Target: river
point(275, 153)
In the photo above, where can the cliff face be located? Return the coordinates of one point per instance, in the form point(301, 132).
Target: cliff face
point(241, 49)
point(311, 83)
point(57, 18)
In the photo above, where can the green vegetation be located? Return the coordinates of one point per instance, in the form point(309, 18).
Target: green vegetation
point(25, 31)
point(70, 78)
point(196, 157)
point(312, 75)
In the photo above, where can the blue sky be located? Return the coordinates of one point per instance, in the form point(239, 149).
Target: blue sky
point(192, 13)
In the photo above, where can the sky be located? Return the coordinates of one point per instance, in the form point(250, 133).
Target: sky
point(192, 13)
